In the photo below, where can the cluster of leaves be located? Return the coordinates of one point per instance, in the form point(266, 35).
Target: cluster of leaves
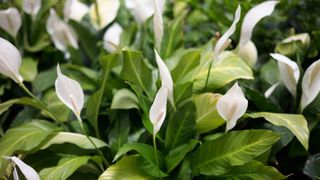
point(273, 140)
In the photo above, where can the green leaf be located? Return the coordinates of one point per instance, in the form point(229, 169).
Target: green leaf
point(207, 117)
point(124, 99)
point(181, 127)
point(74, 138)
point(126, 168)
point(296, 123)
point(182, 92)
point(44, 80)
point(183, 71)
point(23, 101)
point(137, 73)
point(176, 155)
point(29, 69)
point(218, 156)
point(312, 166)
point(229, 68)
point(148, 162)
point(65, 168)
point(254, 170)
point(23, 138)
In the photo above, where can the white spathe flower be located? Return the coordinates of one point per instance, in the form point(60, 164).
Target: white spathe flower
point(270, 90)
point(246, 48)
point(158, 23)
point(108, 10)
point(158, 109)
point(232, 106)
point(75, 10)
point(289, 72)
point(142, 9)
point(61, 33)
point(166, 78)
point(70, 93)
point(310, 84)
point(27, 171)
point(10, 21)
point(111, 38)
point(31, 7)
point(10, 61)
point(303, 37)
point(224, 41)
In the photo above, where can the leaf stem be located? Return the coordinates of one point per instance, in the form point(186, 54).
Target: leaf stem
point(208, 76)
point(155, 153)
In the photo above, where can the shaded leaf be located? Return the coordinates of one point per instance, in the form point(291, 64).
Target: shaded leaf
point(124, 99)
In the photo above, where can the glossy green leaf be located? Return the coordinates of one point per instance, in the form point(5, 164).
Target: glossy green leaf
point(124, 99)
point(312, 166)
point(148, 161)
point(181, 127)
point(296, 123)
point(74, 138)
point(229, 68)
point(65, 168)
point(126, 168)
point(23, 138)
point(23, 101)
point(28, 69)
point(253, 170)
point(235, 148)
point(44, 80)
point(207, 117)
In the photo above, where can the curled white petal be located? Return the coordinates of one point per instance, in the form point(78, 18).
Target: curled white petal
point(303, 37)
point(31, 7)
point(248, 53)
point(270, 90)
point(10, 21)
point(108, 10)
point(26, 170)
point(69, 92)
point(310, 84)
point(61, 33)
point(75, 10)
point(157, 24)
point(166, 78)
point(10, 60)
point(222, 42)
point(158, 109)
point(289, 72)
point(232, 105)
point(253, 16)
point(112, 37)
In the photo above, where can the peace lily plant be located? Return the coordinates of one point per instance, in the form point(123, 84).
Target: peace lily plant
point(143, 89)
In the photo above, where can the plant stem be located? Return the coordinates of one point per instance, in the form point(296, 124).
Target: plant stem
point(208, 76)
point(94, 145)
point(155, 153)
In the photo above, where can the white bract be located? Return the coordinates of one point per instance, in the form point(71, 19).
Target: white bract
point(75, 10)
point(61, 33)
point(166, 78)
point(10, 21)
point(157, 24)
point(31, 7)
point(232, 106)
point(70, 93)
point(289, 72)
point(270, 90)
point(246, 48)
point(224, 41)
point(107, 9)
point(27, 171)
point(158, 109)
point(10, 61)
point(310, 84)
point(111, 38)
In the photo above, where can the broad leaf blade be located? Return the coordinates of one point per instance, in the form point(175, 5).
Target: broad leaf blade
point(124, 99)
point(236, 148)
point(296, 123)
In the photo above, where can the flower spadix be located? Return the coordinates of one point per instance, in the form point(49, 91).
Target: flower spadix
point(289, 72)
point(10, 21)
point(75, 10)
point(158, 23)
point(158, 109)
point(224, 41)
point(107, 10)
point(70, 93)
point(166, 78)
point(31, 7)
point(10, 61)
point(310, 84)
point(111, 38)
point(27, 171)
point(61, 33)
point(232, 106)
